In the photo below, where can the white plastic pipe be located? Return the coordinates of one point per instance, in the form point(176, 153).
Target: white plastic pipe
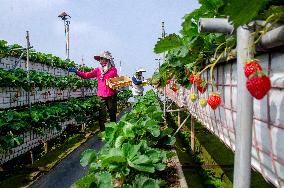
point(273, 38)
point(242, 161)
point(215, 25)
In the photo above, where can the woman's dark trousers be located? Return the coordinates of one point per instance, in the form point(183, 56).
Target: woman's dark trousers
point(107, 104)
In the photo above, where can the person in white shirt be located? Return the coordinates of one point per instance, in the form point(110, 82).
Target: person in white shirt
point(137, 86)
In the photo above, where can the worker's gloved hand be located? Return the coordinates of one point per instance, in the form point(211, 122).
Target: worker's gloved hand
point(72, 69)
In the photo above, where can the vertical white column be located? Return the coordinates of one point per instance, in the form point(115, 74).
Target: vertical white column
point(242, 163)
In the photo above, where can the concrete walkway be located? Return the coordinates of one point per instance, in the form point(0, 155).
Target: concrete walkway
point(69, 170)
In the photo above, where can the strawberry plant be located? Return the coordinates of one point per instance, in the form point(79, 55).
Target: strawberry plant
point(188, 54)
point(100, 179)
point(214, 100)
point(131, 147)
point(42, 116)
point(47, 59)
point(19, 78)
point(258, 85)
point(251, 67)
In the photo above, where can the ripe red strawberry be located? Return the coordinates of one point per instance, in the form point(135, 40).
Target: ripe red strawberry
point(214, 100)
point(194, 79)
point(202, 86)
point(258, 85)
point(251, 67)
point(191, 78)
point(197, 79)
point(174, 88)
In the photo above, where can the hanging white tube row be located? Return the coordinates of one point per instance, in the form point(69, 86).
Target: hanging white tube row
point(273, 38)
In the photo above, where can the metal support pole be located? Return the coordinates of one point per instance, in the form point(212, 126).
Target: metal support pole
point(192, 134)
point(165, 100)
point(181, 125)
point(27, 65)
point(242, 163)
point(67, 38)
point(177, 110)
point(32, 157)
point(164, 55)
point(169, 106)
point(45, 147)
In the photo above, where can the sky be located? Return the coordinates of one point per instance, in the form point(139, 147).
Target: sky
point(129, 29)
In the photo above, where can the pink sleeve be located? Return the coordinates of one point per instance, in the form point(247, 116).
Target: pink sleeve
point(113, 73)
point(86, 75)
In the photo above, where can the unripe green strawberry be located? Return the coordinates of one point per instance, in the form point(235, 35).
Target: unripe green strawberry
point(193, 97)
point(203, 102)
point(258, 85)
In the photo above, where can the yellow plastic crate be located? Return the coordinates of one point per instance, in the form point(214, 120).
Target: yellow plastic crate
point(118, 82)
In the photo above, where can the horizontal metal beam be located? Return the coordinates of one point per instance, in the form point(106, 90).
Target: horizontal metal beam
point(215, 25)
point(177, 110)
point(181, 125)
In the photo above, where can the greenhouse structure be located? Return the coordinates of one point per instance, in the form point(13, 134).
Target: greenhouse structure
point(211, 114)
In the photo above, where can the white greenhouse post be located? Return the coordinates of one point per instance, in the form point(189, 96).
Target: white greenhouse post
point(242, 163)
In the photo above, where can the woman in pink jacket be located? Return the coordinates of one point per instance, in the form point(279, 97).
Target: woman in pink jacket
point(106, 94)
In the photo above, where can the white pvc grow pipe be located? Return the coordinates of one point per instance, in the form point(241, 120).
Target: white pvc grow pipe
point(273, 38)
point(215, 25)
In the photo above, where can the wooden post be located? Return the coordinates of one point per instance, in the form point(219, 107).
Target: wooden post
point(45, 147)
point(32, 157)
point(192, 133)
point(83, 127)
point(178, 118)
